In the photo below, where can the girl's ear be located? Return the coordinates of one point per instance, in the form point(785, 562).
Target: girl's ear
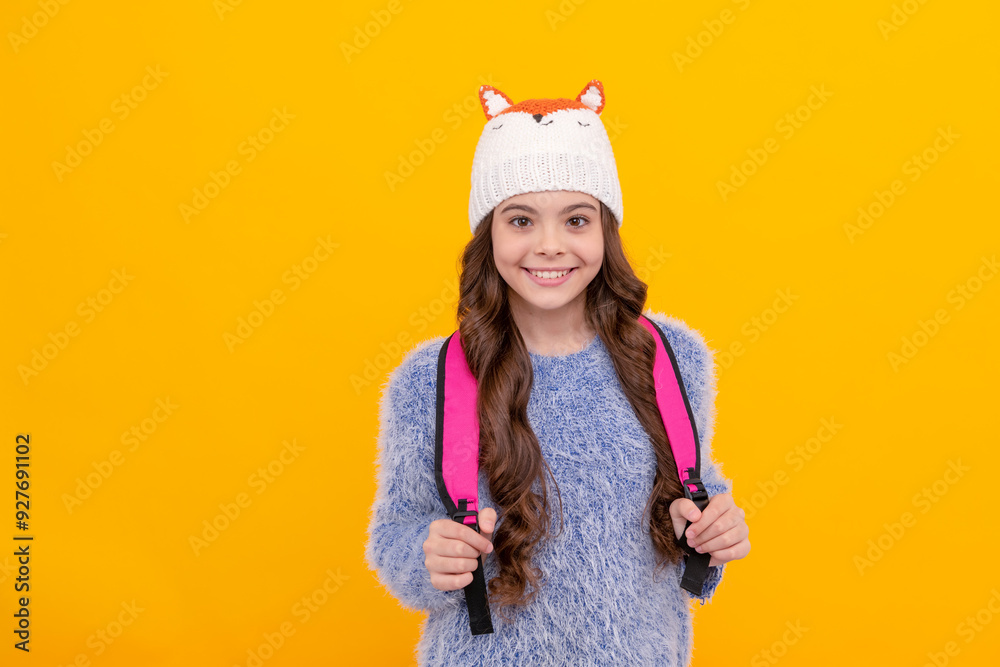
point(592, 96)
point(493, 101)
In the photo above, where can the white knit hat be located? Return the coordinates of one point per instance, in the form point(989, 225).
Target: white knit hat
point(543, 144)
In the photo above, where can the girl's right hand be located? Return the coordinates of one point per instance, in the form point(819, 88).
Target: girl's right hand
point(452, 550)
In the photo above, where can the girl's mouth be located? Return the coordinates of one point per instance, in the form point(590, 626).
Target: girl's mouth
point(550, 282)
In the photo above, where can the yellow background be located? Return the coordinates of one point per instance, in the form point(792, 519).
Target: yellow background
point(311, 372)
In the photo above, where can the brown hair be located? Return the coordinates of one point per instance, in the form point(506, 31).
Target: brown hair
point(510, 453)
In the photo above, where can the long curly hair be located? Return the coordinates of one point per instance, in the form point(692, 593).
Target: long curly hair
point(510, 453)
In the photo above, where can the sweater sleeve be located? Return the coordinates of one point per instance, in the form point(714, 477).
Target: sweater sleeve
point(407, 500)
point(697, 366)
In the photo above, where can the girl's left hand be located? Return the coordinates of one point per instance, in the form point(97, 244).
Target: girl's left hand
point(720, 530)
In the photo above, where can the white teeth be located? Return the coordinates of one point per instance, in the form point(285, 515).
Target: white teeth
point(550, 274)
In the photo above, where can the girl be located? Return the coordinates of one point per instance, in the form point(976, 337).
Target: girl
point(548, 314)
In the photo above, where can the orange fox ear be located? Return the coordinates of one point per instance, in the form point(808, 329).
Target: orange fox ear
point(493, 101)
point(592, 96)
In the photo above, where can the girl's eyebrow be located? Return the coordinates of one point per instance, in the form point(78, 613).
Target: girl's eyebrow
point(529, 209)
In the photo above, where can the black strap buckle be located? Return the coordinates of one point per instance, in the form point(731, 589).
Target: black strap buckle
point(460, 513)
point(700, 494)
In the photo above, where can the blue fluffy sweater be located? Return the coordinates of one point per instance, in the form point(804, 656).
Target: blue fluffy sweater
point(598, 603)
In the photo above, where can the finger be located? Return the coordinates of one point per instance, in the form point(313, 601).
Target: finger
point(684, 509)
point(448, 565)
point(725, 521)
point(450, 582)
point(456, 547)
point(681, 510)
point(467, 534)
point(487, 520)
point(439, 544)
point(724, 540)
point(738, 550)
point(717, 505)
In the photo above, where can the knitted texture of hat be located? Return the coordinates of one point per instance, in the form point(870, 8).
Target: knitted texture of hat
point(541, 145)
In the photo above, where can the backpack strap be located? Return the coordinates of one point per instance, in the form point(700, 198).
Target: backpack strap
point(682, 434)
point(457, 442)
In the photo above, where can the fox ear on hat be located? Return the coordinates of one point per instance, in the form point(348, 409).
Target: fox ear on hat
point(493, 101)
point(592, 96)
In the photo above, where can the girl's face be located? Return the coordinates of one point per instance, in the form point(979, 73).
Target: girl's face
point(555, 232)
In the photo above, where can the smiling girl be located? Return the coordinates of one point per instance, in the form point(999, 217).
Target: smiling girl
point(548, 318)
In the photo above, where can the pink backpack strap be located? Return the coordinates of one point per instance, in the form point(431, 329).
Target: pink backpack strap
point(682, 434)
point(456, 461)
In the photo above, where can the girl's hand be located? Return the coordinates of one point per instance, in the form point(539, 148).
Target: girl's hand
point(453, 550)
point(720, 530)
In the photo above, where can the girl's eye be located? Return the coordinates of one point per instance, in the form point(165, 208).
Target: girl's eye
point(582, 221)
